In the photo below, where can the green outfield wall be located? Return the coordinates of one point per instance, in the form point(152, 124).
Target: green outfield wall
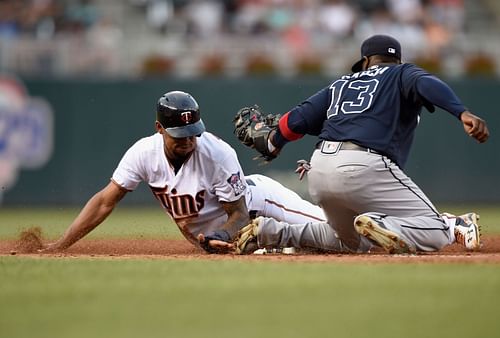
point(97, 120)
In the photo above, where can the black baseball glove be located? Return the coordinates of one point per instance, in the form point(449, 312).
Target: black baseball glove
point(218, 235)
point(253, 129)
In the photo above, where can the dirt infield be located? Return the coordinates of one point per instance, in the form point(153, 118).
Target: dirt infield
point(182, 249)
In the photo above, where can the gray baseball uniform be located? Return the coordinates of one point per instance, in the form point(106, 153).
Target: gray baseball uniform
point(364, 181)
point(289, 220)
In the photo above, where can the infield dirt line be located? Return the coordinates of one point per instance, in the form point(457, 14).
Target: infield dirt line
point(181, 249)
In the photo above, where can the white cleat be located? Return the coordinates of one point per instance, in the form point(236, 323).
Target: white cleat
point(390, 241)
point(468, 231)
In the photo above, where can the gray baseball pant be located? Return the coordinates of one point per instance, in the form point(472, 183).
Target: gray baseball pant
point(347, 183)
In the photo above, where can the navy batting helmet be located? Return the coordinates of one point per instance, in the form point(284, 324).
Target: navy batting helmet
point(179, 113)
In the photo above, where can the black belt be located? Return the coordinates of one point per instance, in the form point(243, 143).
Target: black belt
point(334, 146)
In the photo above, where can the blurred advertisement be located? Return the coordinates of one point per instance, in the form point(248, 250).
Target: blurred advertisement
point(26, 131)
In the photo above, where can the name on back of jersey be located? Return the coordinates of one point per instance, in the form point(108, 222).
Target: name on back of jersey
point(372, 71)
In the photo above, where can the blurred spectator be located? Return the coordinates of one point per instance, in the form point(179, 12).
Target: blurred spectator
point(290, 31)
point(438, 38)
point(104, 39)
point(449, 13)
point(159, 13)
point(80, 15)
point(406, 11)
point(368, 6)
point(377, 22)
point(35, 17)
point(337, 18)
point(297, 41)
point(306, 15)
point(381, 21)
point(249, 18)
point(39, 18)
point(9, 18)
point(279, 16)
point(204, 17)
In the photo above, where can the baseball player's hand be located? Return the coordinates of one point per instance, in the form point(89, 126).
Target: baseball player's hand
point(50, 248)
point(303, 166)
point(216, 242)
point(475, 126)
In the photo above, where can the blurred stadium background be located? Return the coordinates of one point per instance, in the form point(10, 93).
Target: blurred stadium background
point(86, 75)
point(235, 37)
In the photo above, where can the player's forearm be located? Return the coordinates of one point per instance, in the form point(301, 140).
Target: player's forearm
point(235, 222)
point(93, 214)
point(237, 216)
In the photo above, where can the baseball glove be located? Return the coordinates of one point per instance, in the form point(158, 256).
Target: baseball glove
point(246, 239)
point(253, 129)
point(218, 235)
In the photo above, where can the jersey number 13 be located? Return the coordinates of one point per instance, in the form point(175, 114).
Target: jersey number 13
point(357, 96)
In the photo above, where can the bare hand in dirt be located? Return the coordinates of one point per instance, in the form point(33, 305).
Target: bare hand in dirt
point(49, 248)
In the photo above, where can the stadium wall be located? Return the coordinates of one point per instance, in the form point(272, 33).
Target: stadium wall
point(97, 120)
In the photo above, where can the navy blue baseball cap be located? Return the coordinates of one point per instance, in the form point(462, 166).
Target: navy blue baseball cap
point(378, 45)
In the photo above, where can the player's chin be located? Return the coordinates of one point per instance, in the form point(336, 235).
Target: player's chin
point(184, 151)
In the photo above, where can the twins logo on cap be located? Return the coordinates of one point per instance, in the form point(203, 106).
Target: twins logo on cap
point(186, 117)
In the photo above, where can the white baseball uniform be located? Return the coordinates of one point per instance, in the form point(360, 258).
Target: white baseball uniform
point(211, 175)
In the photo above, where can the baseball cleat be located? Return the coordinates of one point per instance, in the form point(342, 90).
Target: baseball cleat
point(468, 231)
point(246, 239)
point(270, 251)
point(390, 241)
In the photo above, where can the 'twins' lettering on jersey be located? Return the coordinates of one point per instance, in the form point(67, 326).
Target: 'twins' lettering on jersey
point(180, 206)
point(193, 195)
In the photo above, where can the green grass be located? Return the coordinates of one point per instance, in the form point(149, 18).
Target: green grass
point(152, 222)
point(181, 298)
point(126, 222)
point(105, 297)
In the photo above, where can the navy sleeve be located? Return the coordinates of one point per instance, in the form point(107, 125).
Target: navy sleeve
point(439, 94)
point(305, 118)
point(426, 89)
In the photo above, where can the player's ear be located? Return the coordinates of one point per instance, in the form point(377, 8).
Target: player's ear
point(366, 63)
point(158, 127)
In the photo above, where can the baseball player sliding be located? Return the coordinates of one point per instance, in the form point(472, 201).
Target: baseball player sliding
point(365, 122)
point(198, 181)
